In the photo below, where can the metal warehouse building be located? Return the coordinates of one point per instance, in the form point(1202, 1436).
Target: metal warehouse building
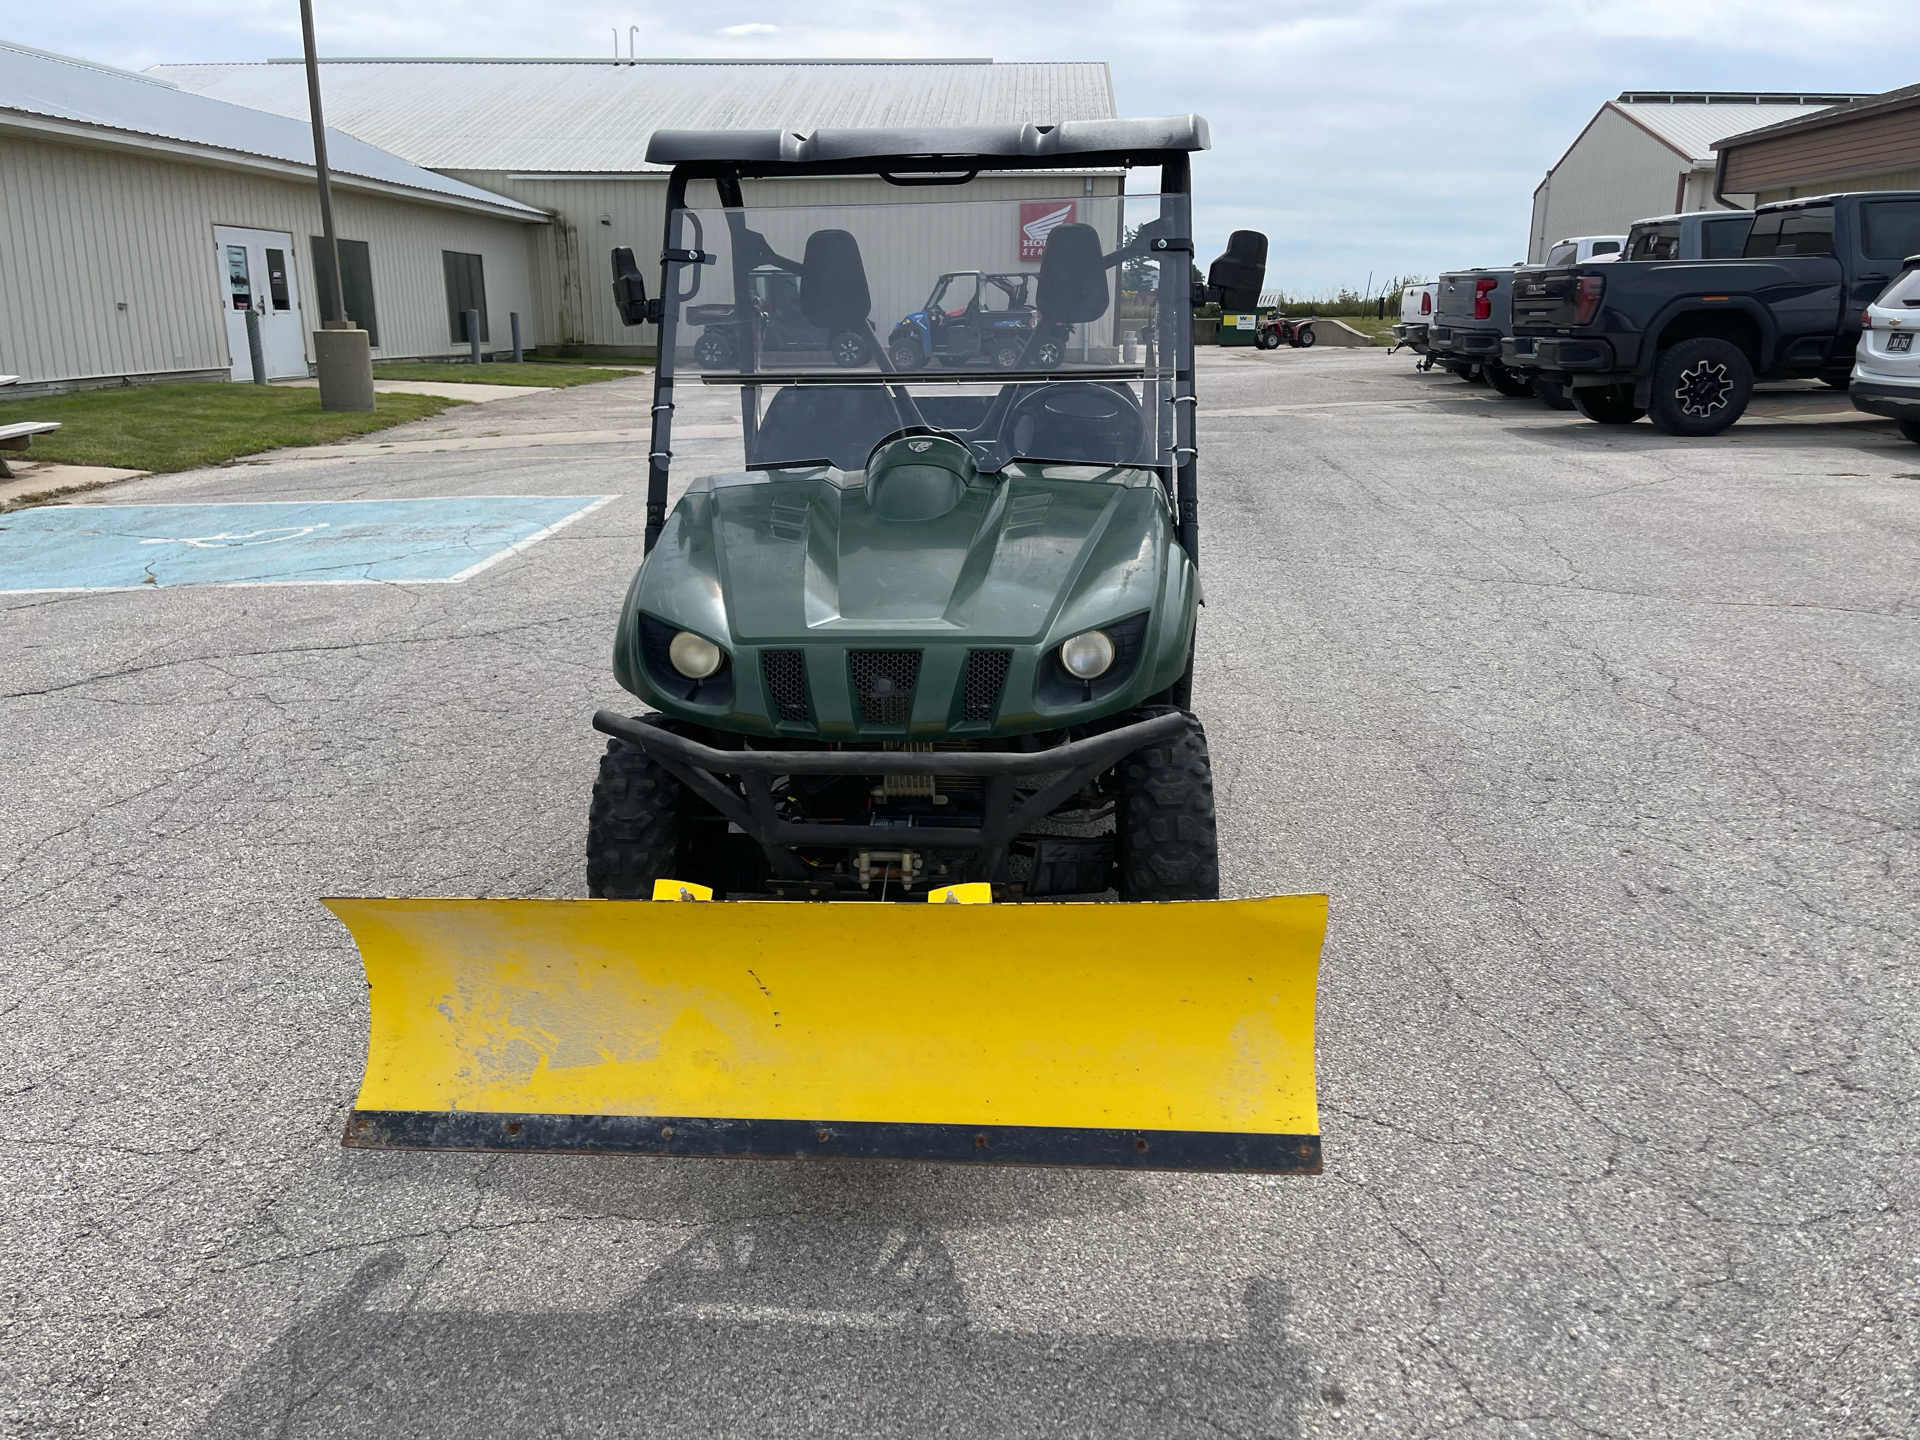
point(570, 137)
point(1650, 153)
point(139, 223)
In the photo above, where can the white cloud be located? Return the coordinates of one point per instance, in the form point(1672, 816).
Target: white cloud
point(1387, 135)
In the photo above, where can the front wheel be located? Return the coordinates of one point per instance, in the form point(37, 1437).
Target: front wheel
point(1049, 354)
point(1267, 339)
point(1169, 847)
point(907, 355)
point(633, 825)
point(1304, 337)
point(850, 349)
point(1604, 405)
point(1700, 387)
point(713, 352)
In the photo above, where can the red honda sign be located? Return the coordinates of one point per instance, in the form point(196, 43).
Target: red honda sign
point(1038, 218)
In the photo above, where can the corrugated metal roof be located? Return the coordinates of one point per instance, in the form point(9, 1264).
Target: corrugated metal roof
point(567, 116)
point(1692, 129)
point(56, 87)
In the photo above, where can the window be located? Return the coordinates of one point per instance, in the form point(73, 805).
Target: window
point(1606, 247)
point(356, 278)
point(1791, 232)
point(1654, 242)
point(1724, 239)
point(277, 280)
point(1562, 254)
point(238, 281)
point(466, 290)
point(1890, 229)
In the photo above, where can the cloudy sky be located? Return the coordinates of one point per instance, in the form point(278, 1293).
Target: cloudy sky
point(1364, 136)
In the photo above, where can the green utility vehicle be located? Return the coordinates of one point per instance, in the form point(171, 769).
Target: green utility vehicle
point(934, 627)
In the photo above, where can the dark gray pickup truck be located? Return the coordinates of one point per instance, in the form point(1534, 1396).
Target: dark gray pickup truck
point(1682, 341)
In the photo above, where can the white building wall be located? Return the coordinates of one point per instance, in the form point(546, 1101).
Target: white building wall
point(1616, 173)
point(85, 230)
point(572, 269)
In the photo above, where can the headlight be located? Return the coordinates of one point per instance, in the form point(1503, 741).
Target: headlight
point(1087, 656)
point(694, 656)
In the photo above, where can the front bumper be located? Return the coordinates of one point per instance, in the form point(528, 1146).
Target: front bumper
point(1895, 402)
point(1004, 812)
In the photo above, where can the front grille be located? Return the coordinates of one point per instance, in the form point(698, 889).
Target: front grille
point(883, 681)
point(785, 672)
point(986, 677)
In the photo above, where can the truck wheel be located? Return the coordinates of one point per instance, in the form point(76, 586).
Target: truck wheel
point(1472, 374)
point(1605, 405)
point(1510, 383)
point(1700, 387)
point(1910, 429)
point(1168, 847)
point(1553, 396)
point(633, 826)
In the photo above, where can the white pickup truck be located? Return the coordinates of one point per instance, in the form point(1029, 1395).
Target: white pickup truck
point(1416, 318)
point(1579, 249)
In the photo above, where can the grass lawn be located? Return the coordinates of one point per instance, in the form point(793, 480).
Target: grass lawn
point(532, 372)
point(179, 427)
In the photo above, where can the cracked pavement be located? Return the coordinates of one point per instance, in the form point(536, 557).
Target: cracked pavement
point(1601, 742)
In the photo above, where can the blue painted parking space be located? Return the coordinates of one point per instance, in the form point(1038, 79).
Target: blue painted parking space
point(329, 542)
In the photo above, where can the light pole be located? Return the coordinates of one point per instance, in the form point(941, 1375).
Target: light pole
point(340, 351)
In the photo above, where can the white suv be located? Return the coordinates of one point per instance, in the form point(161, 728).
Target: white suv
point(1886, 366)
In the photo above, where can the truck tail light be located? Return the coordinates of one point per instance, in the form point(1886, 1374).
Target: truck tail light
point(1483, 298)
point(1586, 298)
point(1426, 302)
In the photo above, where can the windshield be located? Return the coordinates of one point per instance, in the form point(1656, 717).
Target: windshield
point(1035, 327)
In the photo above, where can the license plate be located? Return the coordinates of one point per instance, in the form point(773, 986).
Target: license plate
point(1897, 343)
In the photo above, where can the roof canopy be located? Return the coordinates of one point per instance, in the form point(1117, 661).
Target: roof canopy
point(1072, 142)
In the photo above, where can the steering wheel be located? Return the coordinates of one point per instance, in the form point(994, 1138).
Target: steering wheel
point(1076, 422)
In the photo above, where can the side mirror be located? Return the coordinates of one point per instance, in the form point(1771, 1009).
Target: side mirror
point(630, 289)
point(1240, 274)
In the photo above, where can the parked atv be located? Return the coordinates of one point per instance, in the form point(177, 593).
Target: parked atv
point(924, 617)
point(781, 321)
point(1278, 330)
point(972, 318)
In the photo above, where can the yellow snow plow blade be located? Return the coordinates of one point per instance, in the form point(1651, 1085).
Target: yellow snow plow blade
point(1164, 1036)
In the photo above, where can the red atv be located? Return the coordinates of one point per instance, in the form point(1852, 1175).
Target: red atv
point(1278, 331)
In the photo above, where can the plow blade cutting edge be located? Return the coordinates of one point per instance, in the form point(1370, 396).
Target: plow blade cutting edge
point(1155, 1036)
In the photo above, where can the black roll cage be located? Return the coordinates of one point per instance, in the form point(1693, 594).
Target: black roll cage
point(923, 168)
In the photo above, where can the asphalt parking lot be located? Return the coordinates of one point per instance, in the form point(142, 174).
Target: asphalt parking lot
point(1601, 742)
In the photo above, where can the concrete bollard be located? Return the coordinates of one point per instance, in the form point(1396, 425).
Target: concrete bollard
point(255, 352)
point(513, 319)
point(343, 360)
point(473, 334)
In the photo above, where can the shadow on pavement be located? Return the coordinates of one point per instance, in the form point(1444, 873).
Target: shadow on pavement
point(762, 1328)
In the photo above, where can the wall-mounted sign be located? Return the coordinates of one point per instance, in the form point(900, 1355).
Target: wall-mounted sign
point(1038, 219)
